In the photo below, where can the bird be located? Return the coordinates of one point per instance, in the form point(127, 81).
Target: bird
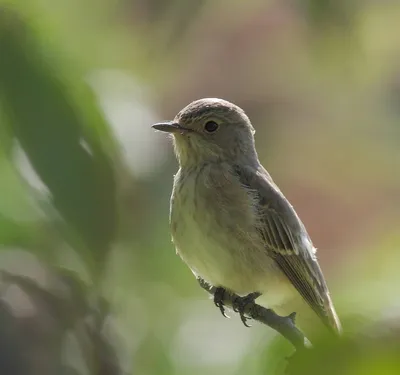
point(230, 223)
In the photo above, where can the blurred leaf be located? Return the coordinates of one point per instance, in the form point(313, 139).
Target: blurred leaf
point(349, 356)
point(25, 235)
point(59, 306)
point(276, 356)
point(13, 360)
point(323, 12)
point(74, 312)
point(6, 142)
point(14, 202)
point(68, 158)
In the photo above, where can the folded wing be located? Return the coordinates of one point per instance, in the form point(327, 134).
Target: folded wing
point(288, 243)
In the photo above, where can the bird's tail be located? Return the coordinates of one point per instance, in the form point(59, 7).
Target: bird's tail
point(331, 319)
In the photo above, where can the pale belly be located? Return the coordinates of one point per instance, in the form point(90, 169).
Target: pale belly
point(222, 247)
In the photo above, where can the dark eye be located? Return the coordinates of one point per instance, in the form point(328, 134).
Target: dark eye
point(210, 126)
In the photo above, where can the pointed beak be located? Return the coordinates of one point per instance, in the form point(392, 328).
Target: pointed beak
point(170, 127)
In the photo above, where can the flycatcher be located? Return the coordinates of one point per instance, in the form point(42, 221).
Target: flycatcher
point(230, 222)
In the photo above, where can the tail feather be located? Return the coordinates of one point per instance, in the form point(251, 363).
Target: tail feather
point(332, 320)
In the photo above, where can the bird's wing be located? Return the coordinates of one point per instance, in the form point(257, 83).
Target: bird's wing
point(288, 243)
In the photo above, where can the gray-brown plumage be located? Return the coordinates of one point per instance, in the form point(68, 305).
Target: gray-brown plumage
point(230, 223)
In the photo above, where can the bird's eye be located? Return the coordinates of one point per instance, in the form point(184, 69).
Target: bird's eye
point(210, 126)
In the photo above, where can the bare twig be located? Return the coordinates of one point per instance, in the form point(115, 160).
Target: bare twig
point(285, 325)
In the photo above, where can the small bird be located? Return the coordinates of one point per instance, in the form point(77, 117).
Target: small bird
point(230, 223)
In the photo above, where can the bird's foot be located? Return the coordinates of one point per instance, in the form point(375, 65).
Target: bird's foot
point(239, 305)
point(219, 300)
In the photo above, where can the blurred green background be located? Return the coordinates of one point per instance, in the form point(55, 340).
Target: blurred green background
point(90, 281)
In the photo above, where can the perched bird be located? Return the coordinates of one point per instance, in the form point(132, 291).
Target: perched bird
point(230, 222)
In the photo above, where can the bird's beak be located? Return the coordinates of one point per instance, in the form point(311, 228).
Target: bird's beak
point(170, 127)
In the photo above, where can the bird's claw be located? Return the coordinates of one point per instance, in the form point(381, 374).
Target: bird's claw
point(240, 304)
point(219, 300)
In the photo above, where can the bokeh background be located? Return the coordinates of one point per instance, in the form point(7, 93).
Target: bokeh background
point(90, 282)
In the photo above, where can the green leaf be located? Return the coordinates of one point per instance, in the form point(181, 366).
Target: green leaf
point(57, 138)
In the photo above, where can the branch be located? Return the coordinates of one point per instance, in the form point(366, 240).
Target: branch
point(285, 325)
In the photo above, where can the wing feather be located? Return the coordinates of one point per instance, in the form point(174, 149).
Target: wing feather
point(288, 243)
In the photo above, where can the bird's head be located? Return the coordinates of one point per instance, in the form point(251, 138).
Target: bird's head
point(211, 130)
